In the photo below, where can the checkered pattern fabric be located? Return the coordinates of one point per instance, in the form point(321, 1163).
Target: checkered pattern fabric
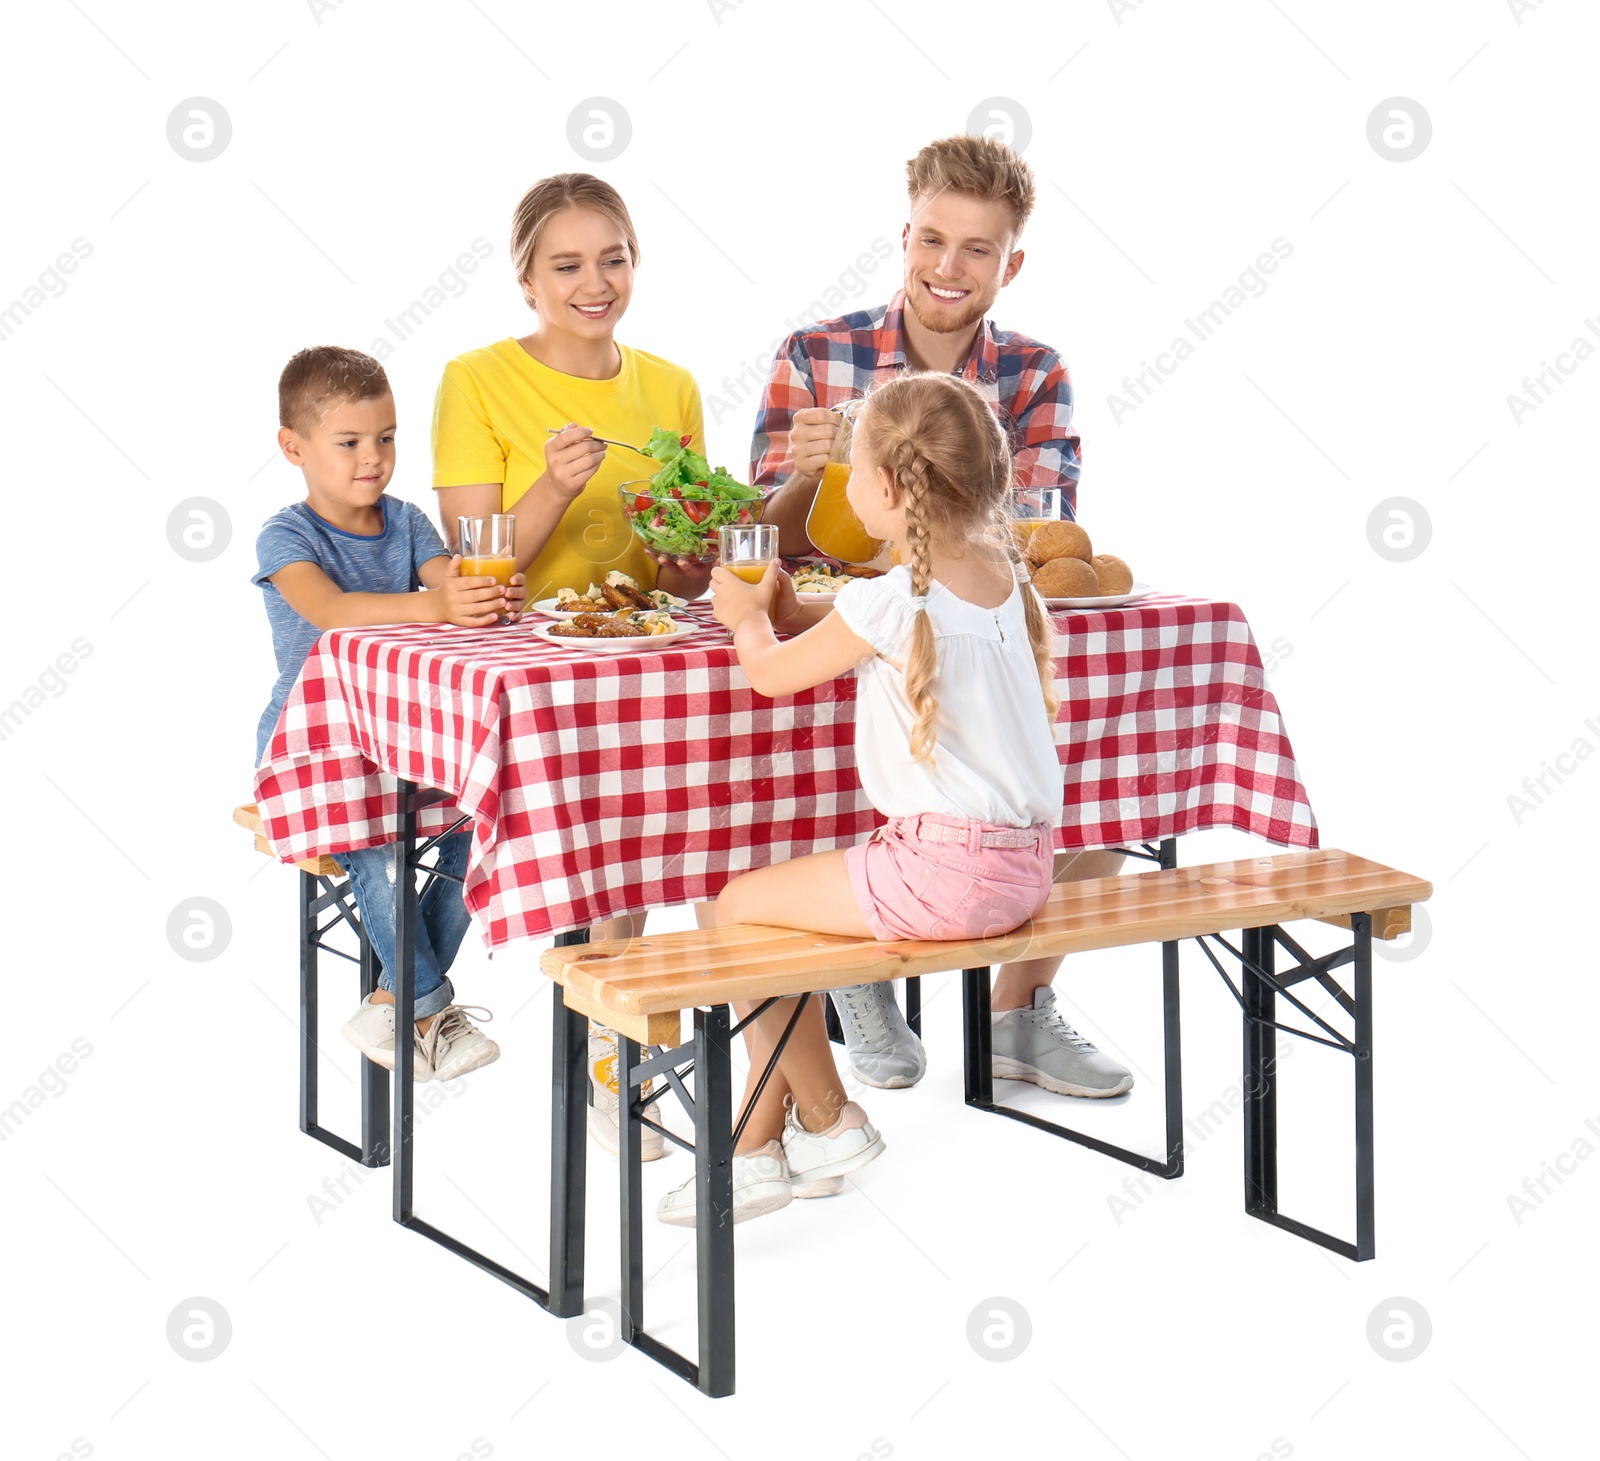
point(601, 784)
point(839, 360)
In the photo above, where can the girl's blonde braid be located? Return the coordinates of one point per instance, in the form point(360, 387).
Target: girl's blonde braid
point(913, 474)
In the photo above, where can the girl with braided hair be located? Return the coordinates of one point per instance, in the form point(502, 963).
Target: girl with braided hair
point(955, 708)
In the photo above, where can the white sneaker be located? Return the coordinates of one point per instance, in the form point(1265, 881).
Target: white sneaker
point(604, 1124)
point(371, 1030)
point(819, 1160)
point(760, 1185)
point(454, 1045)
point(880, 1046)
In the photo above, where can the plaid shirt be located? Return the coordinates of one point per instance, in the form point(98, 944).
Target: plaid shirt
point(838, 360)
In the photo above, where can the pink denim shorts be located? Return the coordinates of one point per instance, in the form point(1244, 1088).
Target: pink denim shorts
point(908, 887)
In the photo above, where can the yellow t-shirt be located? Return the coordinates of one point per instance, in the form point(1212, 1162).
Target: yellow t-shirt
point(491, 421)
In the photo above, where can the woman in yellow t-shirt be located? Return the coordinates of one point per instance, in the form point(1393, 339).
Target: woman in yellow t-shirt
point(574, 248)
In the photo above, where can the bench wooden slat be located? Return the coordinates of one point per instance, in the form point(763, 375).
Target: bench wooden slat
point(625, 982)
point(249, 815)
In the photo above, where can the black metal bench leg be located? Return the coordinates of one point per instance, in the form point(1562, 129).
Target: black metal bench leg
point(1366, 1201)
point(1260, 1076)
point(308, 1004)
point(568, 1148)
point(1172, 1046)
point(977, 1034)
point(1259, 1001)
point(914, 1005)
point(713, 1182)
point(630, 1203)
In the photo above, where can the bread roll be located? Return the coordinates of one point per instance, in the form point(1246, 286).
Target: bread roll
point(1114, 575)
point(1054, 540)
point(1066, 578)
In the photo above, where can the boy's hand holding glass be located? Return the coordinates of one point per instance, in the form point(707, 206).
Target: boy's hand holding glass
point(488, 555)
point(471, 601)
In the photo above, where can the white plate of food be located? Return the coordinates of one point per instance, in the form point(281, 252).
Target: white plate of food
point(817, 584)
point(620, 591)
point(565, 635)
point(1103, 601)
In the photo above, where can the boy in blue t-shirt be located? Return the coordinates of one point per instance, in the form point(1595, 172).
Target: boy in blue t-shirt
point(350, 556)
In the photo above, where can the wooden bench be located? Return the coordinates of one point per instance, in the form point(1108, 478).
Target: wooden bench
point(323, 886)
point(641, 988)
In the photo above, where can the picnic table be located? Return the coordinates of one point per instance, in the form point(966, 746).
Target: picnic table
point(597, 784)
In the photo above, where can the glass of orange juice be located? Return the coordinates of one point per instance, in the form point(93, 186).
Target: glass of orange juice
point(747, 549)
point(1031, 508)
point(488, 547)
point(832, 524)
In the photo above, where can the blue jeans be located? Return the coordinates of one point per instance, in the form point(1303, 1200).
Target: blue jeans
point(441, 922)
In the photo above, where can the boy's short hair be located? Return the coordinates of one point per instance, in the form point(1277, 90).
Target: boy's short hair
point(980, 167)
point(316, 378)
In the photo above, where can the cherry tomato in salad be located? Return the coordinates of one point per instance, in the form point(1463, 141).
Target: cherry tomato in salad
point(642, 503)
point(698, 511)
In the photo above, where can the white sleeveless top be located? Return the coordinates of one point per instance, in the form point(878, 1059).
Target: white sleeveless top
point(994, 755)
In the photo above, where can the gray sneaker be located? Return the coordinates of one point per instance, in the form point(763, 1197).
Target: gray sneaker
point(1038, 1045)
point(881, 1048)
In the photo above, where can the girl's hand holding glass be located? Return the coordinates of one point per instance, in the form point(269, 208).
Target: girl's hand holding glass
point(735, 600)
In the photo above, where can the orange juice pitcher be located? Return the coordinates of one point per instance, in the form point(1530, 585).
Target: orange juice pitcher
point(832, 524)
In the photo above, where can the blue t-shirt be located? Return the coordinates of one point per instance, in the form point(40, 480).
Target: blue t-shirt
point(371, 563)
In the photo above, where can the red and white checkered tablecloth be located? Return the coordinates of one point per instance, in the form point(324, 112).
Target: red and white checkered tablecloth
point(601, 784)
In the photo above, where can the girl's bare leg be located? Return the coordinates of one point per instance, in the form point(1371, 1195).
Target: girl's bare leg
point(817, 890)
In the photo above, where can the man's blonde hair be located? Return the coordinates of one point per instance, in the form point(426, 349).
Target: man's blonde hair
point(552, 195)
point(979, 167)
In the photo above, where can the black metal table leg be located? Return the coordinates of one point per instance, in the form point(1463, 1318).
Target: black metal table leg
point(374, 1078)
point(405, 1001)
point(405, 1007)
point(713, 1187)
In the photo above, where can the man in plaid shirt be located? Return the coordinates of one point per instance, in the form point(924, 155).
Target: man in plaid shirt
point(970, 197)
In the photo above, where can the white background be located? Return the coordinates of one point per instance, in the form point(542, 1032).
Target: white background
point(1173, 143)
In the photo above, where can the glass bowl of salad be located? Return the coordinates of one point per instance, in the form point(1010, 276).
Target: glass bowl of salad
point(677, 511)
